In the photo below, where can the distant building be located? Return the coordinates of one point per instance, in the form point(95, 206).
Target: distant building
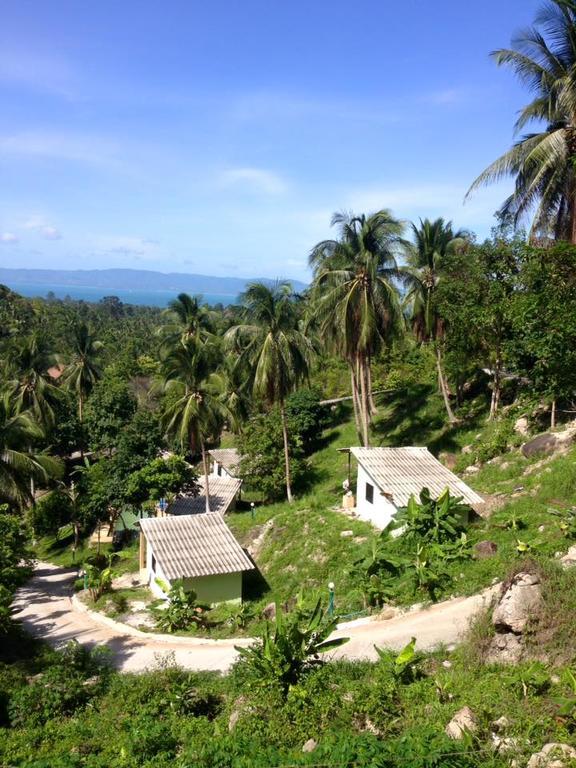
point(388, 477)
point(225, 462)
point(199, 549)
point(224, 492)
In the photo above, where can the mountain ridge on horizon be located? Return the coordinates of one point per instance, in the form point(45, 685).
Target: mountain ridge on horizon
point(119, 278)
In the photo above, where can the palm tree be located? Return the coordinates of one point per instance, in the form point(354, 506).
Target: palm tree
point(18, 465)
point(355, 298)
point(83, 371)
point(433, 241)
point(543, 162)
point(195, 412)
point(31, 386)
point(186, 318)
point(274, 349)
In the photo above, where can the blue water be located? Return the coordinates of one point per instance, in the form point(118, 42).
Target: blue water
point(90, 293)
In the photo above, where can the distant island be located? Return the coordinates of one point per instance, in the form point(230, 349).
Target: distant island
point(133, 286)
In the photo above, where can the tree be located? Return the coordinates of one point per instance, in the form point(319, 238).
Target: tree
point(160, 477)
point(32, 387)
point(355, 298)
point(18, 465)
point(83, 370)
point(108, 411)
point(15, 559)
point(196, 412)
point(186, 318)
point(543, 162)
point(277, 352)
point(433, 240)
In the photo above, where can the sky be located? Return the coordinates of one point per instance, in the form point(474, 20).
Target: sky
point(218, 138)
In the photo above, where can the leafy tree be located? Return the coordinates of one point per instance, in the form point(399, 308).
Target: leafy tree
point(355, 301)
point(261, 446)
point(159, 478)
point(272, 346)
point(15, 559)
point(32, 387)
point(433, 241)
point(51, 512)
point(110, 408)
point(543, 162)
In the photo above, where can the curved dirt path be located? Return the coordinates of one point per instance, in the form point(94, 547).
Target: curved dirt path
point(46, 610)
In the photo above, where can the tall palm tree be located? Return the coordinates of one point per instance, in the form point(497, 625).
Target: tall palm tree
point(433, 241)
point(275, 350)
point(18, 465)
point(83, 370)
point(543, 57)
point(195, 412)
point(186, 318)
point(355, 297)
point(31, 384)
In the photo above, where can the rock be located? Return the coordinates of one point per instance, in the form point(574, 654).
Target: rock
point(541, 528)
point(518, 603)
point(269, 612)
point(569, 559)
point(553, 755)
point(447, 664)
point(310, 745)
point(472, 470)
point(545, 443)
point(236, 714)
point(521, 426)
point(506, 744)
point(505, 649)
point(501, 724)
point(467, 449)
point(463, 721)
point(484, 549)
point(386, 614)
point(346, 534)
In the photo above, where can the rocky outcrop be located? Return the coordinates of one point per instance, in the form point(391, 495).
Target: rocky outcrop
point(518, 603)
point(553, 755)
point(310, 745)
point(522, 426)
point(464, 721)
point(484, 549)
point(516, 607)
point(539, 445)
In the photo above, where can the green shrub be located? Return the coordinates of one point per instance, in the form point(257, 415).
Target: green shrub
point(182, 610)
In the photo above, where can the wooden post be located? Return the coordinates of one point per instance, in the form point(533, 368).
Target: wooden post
point(142, 562)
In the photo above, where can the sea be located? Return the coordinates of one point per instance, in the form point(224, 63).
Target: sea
point(142, 297)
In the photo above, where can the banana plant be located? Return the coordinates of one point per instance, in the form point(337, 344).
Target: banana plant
point(292, 647)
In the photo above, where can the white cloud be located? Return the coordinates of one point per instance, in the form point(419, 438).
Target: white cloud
point(46, 230)
point(91, 150)
point(257, 180)
point(8, 238)
point(125, 245)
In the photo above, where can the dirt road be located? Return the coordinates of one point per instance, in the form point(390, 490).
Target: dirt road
point(46, 610)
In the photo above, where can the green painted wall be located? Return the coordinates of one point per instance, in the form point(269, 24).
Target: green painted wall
point(224, 588)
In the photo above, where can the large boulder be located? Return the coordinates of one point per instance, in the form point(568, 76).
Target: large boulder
point(505, 648)
point(518, 604)
point(522, 426)
point(541, 444)
point(464, 721)
point(553, 755)
point(484, 549)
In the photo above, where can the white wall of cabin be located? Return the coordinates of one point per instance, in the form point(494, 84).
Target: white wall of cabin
point(381, 511)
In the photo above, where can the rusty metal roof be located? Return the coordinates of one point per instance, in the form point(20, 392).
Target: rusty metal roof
point(400, 473)
point(229, 458)
point(187, 546)
point(223, 491)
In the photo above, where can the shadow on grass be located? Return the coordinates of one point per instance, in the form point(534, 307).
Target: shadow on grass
point(407, 419)
point(254, 585)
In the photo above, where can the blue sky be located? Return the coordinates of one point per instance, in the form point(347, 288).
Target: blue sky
point(219, 137)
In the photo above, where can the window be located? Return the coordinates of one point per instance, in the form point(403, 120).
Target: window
point(369, 493)
point(219, 470)
point(153, 563)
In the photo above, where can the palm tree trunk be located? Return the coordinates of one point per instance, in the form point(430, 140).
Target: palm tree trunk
point(286, 452)
point(80, 415)
point(553, 414)
point(364, 406)
point(443, 386)
point(496, 391)
point(356, 401)
point(373, 408)
point(206, 480)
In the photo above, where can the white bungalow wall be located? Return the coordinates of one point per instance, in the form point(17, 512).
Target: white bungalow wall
point(380, 511)
point(219, 471)
point(154, 573)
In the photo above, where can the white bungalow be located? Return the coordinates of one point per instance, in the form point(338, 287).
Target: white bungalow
point(225, 462)
point(388, 477)
point(199, 549)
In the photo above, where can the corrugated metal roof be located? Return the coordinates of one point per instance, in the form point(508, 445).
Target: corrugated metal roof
point(229, 458)
point(194, 545)
point(223, 491)
point(400, 473)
